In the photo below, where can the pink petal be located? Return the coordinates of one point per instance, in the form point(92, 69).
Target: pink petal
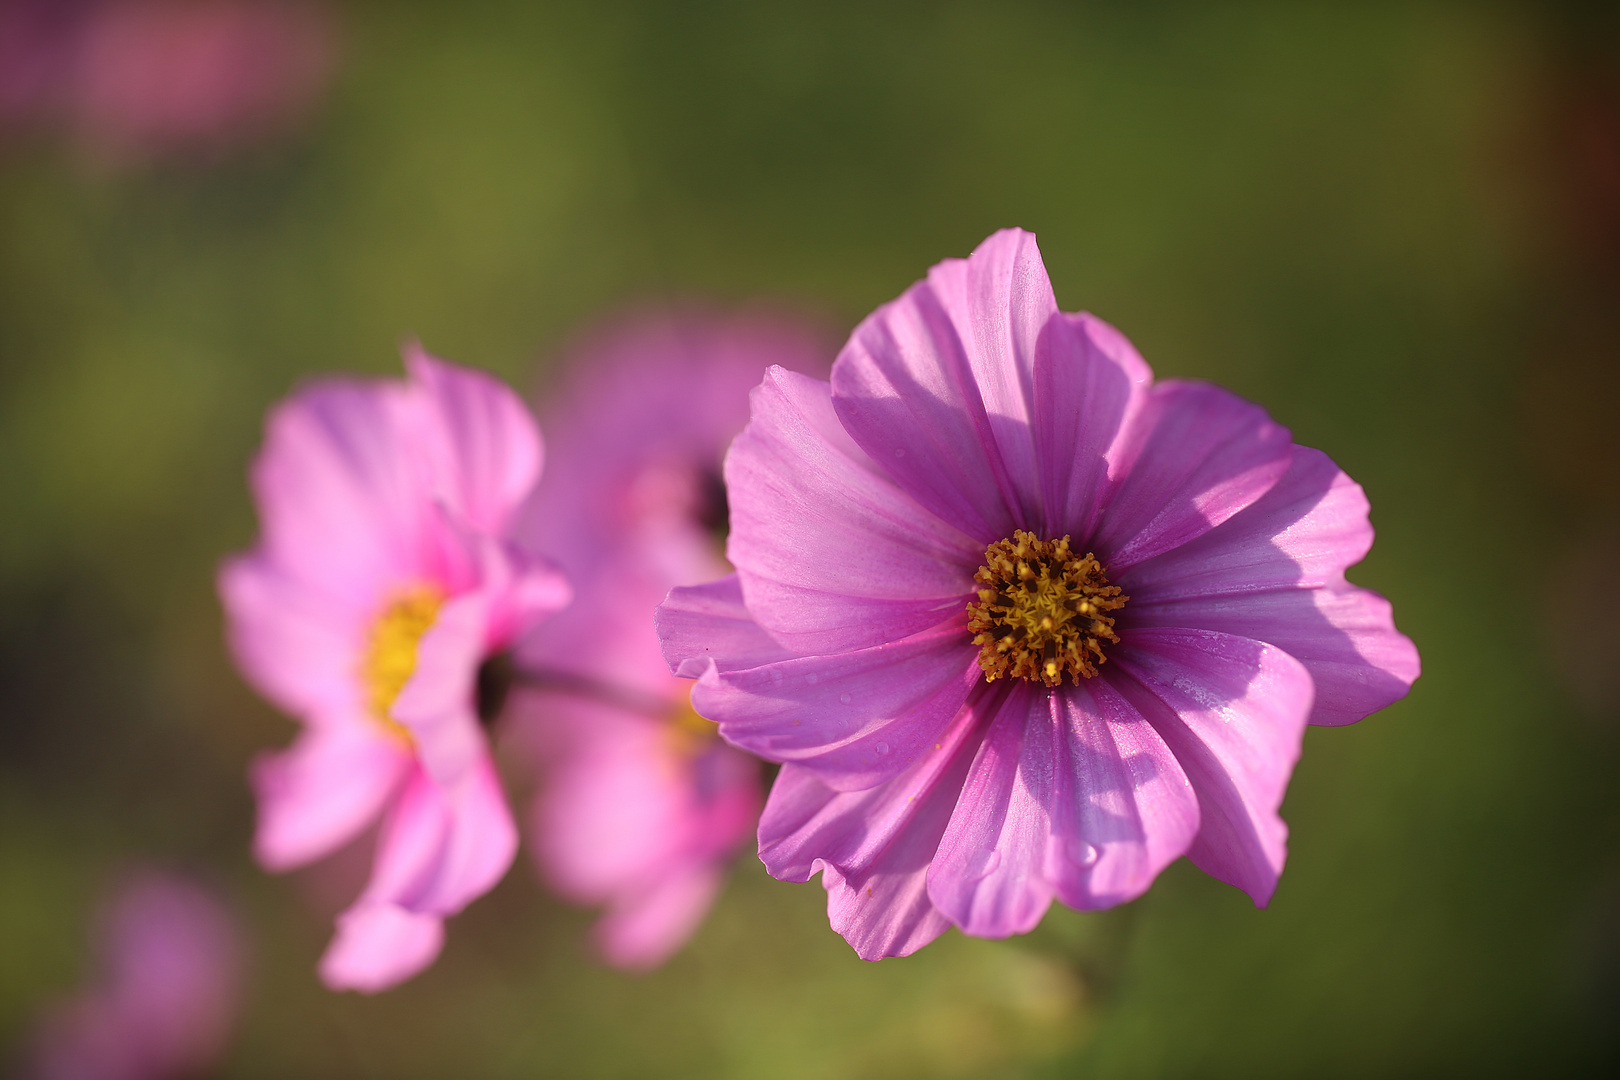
point(481, 443)
point(707, 626)
point(379, 945)
point(856, 718)
point(1072, 794)
point(1275, 573)
point(297, 647)
point(873, 847)
point(1233, 711)
point(1089, 385)
point(642, 931)
point(936, 386)
point(831, 555)
point(442, 847)
point(320, 793)
point(1195, 456)
point(437, 704)
point(341, 505)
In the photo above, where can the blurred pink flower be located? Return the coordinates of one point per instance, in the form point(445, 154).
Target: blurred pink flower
point(975, 714)
point(132, 79)
point(643, 805)
point(382, 583)
point(165, 995)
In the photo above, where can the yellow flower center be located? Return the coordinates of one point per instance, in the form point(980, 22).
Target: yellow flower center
point(688, 732)
point(390, 658)
point(1042, 613)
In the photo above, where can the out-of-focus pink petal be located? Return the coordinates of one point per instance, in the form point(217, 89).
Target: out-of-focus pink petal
point(340, 502)
point(861, 717)
point(642, 930)
point(379, 945)
point(322, 791)
point(936, 385)
point(437, 704)
point(482, 446)
point(707, 626)
point(1072, 794)
point(831, 555)
point(1233, 711)
point(296, 646)
point(1089, 385)
point(443, 846)
point(1195, 455)
point(873, 847)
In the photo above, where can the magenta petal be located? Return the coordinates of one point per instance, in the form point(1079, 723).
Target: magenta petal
point(442, 847)
point(832, 556)
point(296, 646)
point(936, 385)
point(857, 718)
point(436, 704)
point(321, 792)
point(643, 931)
point(339, 500)
point(1195, 456)
point(873, 847)
point(1233, 711)
point(484, 446)
point(1089, 385)
point(379, 945)
point(1072, 794)
point(706, 626)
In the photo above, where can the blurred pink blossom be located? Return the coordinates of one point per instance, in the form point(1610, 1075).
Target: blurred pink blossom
point(133, 79)
point(381, 591)
point(166, 992)
point(643, 804)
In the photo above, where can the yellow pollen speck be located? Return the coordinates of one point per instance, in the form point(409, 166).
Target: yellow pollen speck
point(1044, 613)
point(390, 658)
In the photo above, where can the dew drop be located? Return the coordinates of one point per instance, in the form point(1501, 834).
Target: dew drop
point(983, 864)
point(1082, 853)
point(843, 699)
point(811, 678)
point(882, 748)
point(899, 451)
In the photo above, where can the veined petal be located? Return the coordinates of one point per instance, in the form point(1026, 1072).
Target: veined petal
point(1233, 711)
point(708, 626)
point(873, 847)
point(322, 791)
point(1072, 794)
point(832, 556)
point(857, 718)
point(379, 945)
point(483, 447)
point(936, 386)
point(1090, 383)
point(1195, 455)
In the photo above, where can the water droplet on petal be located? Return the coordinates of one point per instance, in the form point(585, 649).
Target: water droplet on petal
point(1082, 853)
point(811, 678)
point(899, 452)
point(843, 699)
point(882, 748)
point(983, 864)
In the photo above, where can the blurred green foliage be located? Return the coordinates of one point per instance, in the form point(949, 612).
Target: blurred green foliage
point(1335, 210)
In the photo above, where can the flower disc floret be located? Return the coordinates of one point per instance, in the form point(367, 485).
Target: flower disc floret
point(390, 658)
point(1042, 612)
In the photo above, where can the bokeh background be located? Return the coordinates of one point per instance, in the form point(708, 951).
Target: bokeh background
point(1396, 226)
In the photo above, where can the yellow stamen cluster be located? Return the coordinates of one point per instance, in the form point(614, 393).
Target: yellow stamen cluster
point(390, 657)
point(689, 732)
point(1042, 613)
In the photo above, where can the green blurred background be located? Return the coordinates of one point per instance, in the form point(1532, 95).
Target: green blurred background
point(1396, 226)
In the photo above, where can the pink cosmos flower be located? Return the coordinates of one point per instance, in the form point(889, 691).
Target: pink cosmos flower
point(166, 992)
point(382, 583)
point(132, 79)
point(643, 804)
point(1022, 623)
